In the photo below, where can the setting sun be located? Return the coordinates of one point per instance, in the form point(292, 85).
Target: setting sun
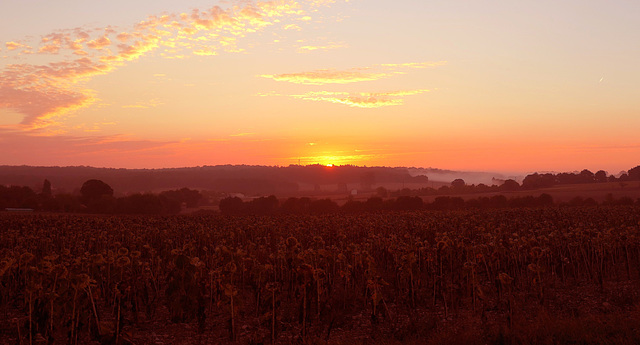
point(207, 82)
point(319, 171)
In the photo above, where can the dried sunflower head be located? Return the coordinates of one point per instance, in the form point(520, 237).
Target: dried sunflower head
point(123, 251)
point(98, 259)
point(5, 265)
point(26, 257)
point(231, 267)
point(536, 252)
point(291, 242)
point(82, 281)
point(272, 286)
point(45, 267)
point(230, 290)
point(319, 274)
point(123, 261)
point(505, 279)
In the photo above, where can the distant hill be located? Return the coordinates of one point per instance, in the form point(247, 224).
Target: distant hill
point(246, 179)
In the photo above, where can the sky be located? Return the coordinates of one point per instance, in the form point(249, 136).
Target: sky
point(510, 86)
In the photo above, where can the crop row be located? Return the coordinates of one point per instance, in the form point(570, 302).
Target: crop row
point(69, 278)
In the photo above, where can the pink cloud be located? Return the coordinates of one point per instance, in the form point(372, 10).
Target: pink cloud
point(99, 43)
point(83, 35)
point(49, 49)
point(37, 104)
point(16, 45)
point(123, 37)
point(43, 92)
point(357, 100)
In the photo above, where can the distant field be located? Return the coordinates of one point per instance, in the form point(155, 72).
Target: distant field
point(561, 193)
point(331, 188)
point(564, 193)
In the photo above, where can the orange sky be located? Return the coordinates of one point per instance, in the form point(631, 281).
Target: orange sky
point(464, 85)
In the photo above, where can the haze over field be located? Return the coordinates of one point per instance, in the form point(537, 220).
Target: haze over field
point(461, 85)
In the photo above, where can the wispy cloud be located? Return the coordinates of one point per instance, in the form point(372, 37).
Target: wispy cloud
point(144, 105)
point(414, 64)
point(349, 76)
point(292, 27)
point(310, 48)
point(326, 76)
point(353, 75)
point(362, 99)
point(99, 43)
point(16, 45)
point(45, 92)
point(40, 92)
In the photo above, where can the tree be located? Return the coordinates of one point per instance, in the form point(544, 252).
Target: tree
point(190, 197)
point(536, 180)
point(458, 183)
point(420, 179)
point(297, 205)
point(510, 185)
point(105, 203)
point(141, 204)
point(382, 192)
point(600, 176)
point(545, 200)
point(93, 190)
point(264, 205)
point(586, 176)
point(374, 203)
point(17, 196)
point(46, 189)
point(323, 206)
point(634, 174)
point(567, 178)
point(231, 205)
point(409, 203)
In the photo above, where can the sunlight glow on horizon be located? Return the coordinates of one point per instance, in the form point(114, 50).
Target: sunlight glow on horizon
point(459, 85)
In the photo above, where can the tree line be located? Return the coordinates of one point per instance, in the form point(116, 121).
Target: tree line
point(535, 181)
point(304, 205)
point(97, 197)
point(530, 182)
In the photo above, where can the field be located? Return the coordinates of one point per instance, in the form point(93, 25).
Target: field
point(560, 193)
point(565, 193)
point(516, 276)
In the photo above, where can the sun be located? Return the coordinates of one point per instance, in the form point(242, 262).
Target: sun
point(329, 165)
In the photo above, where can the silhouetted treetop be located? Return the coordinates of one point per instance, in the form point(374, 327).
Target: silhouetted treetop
point(634, 173)
point(46, 189)
point(95, 189)
point(600, 176)
point(458, 183)
point(510, 185)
